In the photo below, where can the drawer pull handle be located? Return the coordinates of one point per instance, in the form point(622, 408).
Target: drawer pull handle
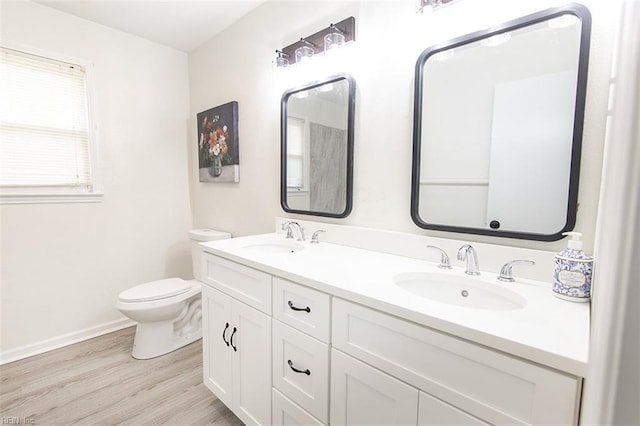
point(224, 332)
point(231, 339)
point(294, 308)
point(307, 372)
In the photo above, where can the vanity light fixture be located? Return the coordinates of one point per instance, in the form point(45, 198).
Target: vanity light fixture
point(331, 37)
point(281, 60)
point(431, 5)
point(334, 39)
point(304, 52)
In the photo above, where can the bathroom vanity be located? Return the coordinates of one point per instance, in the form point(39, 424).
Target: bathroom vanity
point(301, 333)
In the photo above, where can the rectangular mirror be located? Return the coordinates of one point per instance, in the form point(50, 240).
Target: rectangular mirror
point(316, 175)
point(498, 118)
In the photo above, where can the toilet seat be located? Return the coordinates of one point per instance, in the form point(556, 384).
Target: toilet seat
point(155, 290)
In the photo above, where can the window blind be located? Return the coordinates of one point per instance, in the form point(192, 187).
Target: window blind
point(44, 126)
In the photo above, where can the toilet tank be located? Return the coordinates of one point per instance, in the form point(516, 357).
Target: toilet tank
point(198, 236)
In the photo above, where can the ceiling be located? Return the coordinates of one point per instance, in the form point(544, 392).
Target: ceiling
point(181, 24)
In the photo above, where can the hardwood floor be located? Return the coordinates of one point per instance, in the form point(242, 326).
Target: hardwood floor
point(98, 382)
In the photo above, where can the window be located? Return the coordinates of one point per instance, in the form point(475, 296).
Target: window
point(295, 157)
point(45, 153)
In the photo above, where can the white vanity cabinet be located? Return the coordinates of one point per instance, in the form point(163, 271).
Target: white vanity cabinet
point(237, 339)
point(459, 379)
point(282, 353)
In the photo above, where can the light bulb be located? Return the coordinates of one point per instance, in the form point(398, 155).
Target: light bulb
point(333, 41)
point(304, 53)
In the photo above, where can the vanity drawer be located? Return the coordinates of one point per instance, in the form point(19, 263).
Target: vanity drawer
point(303, 308)
point(293, 350)
point(287, 413)
point(488, 384)
point(241, 282)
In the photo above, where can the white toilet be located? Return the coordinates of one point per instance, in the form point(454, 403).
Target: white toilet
point(168, 312)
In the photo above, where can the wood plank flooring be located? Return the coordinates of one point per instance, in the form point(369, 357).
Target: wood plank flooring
point(97, 382)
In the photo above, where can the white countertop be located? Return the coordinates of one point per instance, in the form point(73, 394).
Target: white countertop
point(549, 331)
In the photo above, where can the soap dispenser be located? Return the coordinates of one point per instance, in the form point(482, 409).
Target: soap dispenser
point(573, 271)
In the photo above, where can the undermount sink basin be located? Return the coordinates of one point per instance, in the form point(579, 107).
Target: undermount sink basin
point(276, 247)
point(467, 292)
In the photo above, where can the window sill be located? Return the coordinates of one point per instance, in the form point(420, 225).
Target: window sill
point(93, 197)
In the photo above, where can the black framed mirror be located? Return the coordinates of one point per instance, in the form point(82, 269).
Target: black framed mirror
point(498, 117)
point(316, 128)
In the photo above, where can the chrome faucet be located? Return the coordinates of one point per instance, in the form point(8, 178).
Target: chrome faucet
point(285, 226)
point(444, 259)
point(506, 273)
point(314, 238)
point(468, 253)
point(291, 227)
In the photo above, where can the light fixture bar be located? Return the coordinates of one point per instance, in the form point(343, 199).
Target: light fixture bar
point(347, 27)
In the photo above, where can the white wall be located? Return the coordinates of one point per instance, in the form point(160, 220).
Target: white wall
point(236, 65)
point(63, 265)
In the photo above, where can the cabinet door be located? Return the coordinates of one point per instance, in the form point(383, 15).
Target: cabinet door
point(217, 356)
point(363, 395)
point(434, 412)
point(252, 364)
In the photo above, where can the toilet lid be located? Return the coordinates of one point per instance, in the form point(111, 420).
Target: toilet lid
point(155, 290)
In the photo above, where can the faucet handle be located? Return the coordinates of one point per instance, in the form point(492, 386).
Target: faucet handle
point(506, 273)
point(462, 251)
point(444, 258)
point(287, 226)
point(314, 237)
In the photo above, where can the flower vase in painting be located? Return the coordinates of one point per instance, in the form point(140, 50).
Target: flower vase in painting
point(218, 144)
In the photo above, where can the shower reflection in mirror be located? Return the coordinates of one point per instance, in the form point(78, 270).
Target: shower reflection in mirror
point(317, 147)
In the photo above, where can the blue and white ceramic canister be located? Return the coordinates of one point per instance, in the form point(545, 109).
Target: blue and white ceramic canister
point(573, 271)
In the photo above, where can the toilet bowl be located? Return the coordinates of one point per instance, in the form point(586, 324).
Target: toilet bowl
point(168, 312)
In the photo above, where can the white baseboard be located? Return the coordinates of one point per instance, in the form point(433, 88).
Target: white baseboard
point(63, 340)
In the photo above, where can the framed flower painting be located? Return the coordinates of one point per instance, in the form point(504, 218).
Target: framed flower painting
point(218, 156)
